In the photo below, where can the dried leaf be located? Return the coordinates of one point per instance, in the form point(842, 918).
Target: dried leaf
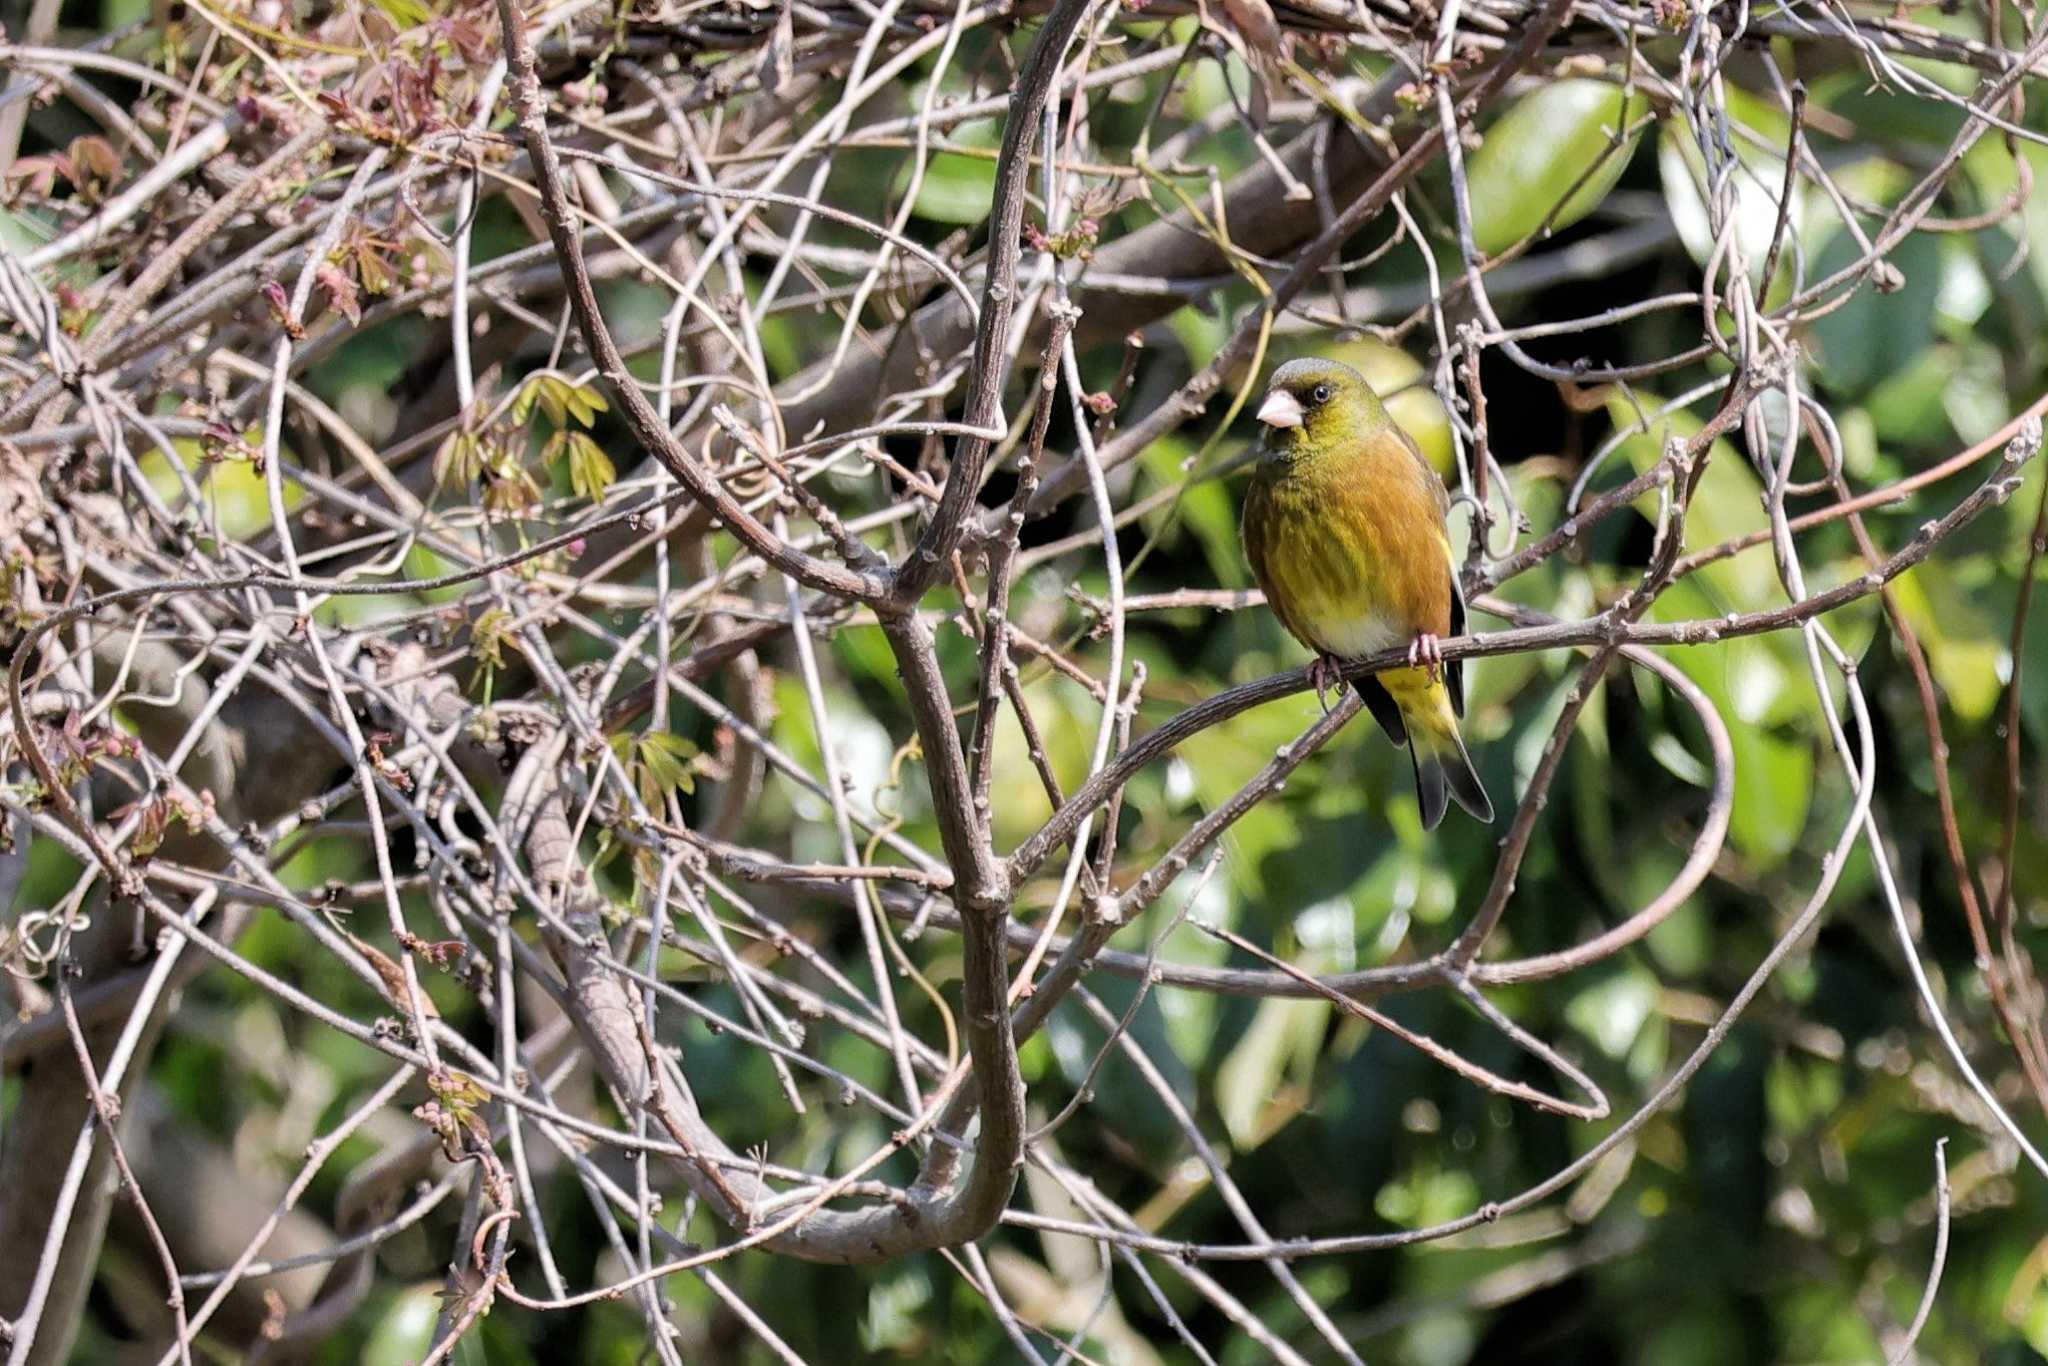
point(94, 165)
point(393, 977)
point(341, 293)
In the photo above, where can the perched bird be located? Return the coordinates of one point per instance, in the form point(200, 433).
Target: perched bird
point(1344, 528)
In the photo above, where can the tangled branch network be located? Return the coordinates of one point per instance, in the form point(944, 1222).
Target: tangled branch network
point(676, 418)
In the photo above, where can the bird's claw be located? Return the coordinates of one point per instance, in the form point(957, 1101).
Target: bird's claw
point(1427, 652)
point(1326, 675)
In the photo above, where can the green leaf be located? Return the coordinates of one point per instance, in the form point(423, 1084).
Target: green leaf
point(1874, 336)
point(1966, 649)
point(584, 402)
point(956, 189)
point(1669, 751)
point(659, 763)
point(1905, 404)
point(1727, 504)
point(523, 403)
point(1755, 685)
point(234, 489)
point(547, 392)
point(1611, 1011)
point(668, 757)
point(1201, 334)
point(22, 233)
point(1552, 158)
point(1250, 1094)
point(1997, 176)
point(897, 1303)
point(487, 636)
point(1221, 758)
point(1425, 1195)
point(402, 1329)
point(559, 400)
point(406, 13)
point(1756, 199)
point(1208, 510)
point(1773, 791)
point(591, 471)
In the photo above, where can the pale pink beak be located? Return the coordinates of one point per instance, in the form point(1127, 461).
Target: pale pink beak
point(1281, 409)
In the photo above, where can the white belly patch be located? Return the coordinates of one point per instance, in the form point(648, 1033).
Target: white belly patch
point(1359, 636)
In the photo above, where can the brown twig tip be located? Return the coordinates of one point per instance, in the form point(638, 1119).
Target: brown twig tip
point(2026, 442)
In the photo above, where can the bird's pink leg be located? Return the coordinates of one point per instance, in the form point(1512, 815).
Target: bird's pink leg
point(1427, 652)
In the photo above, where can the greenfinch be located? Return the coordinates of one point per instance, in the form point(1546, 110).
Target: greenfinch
point(1344, 528)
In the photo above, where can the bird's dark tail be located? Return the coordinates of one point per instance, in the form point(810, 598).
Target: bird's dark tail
point(1444, 772)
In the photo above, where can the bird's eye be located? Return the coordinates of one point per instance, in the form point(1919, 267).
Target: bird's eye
point(1319, 394)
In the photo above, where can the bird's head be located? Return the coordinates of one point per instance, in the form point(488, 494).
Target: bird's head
point(1317, 405)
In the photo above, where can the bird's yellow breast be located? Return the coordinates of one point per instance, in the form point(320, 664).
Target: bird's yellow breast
point(1351, 553)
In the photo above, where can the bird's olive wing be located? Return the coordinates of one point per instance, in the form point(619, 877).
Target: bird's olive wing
point(1454, 672)
point(1430, 478)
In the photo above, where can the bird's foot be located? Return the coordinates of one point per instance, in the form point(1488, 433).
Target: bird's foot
point(1427, 652)
point(1326, 675)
